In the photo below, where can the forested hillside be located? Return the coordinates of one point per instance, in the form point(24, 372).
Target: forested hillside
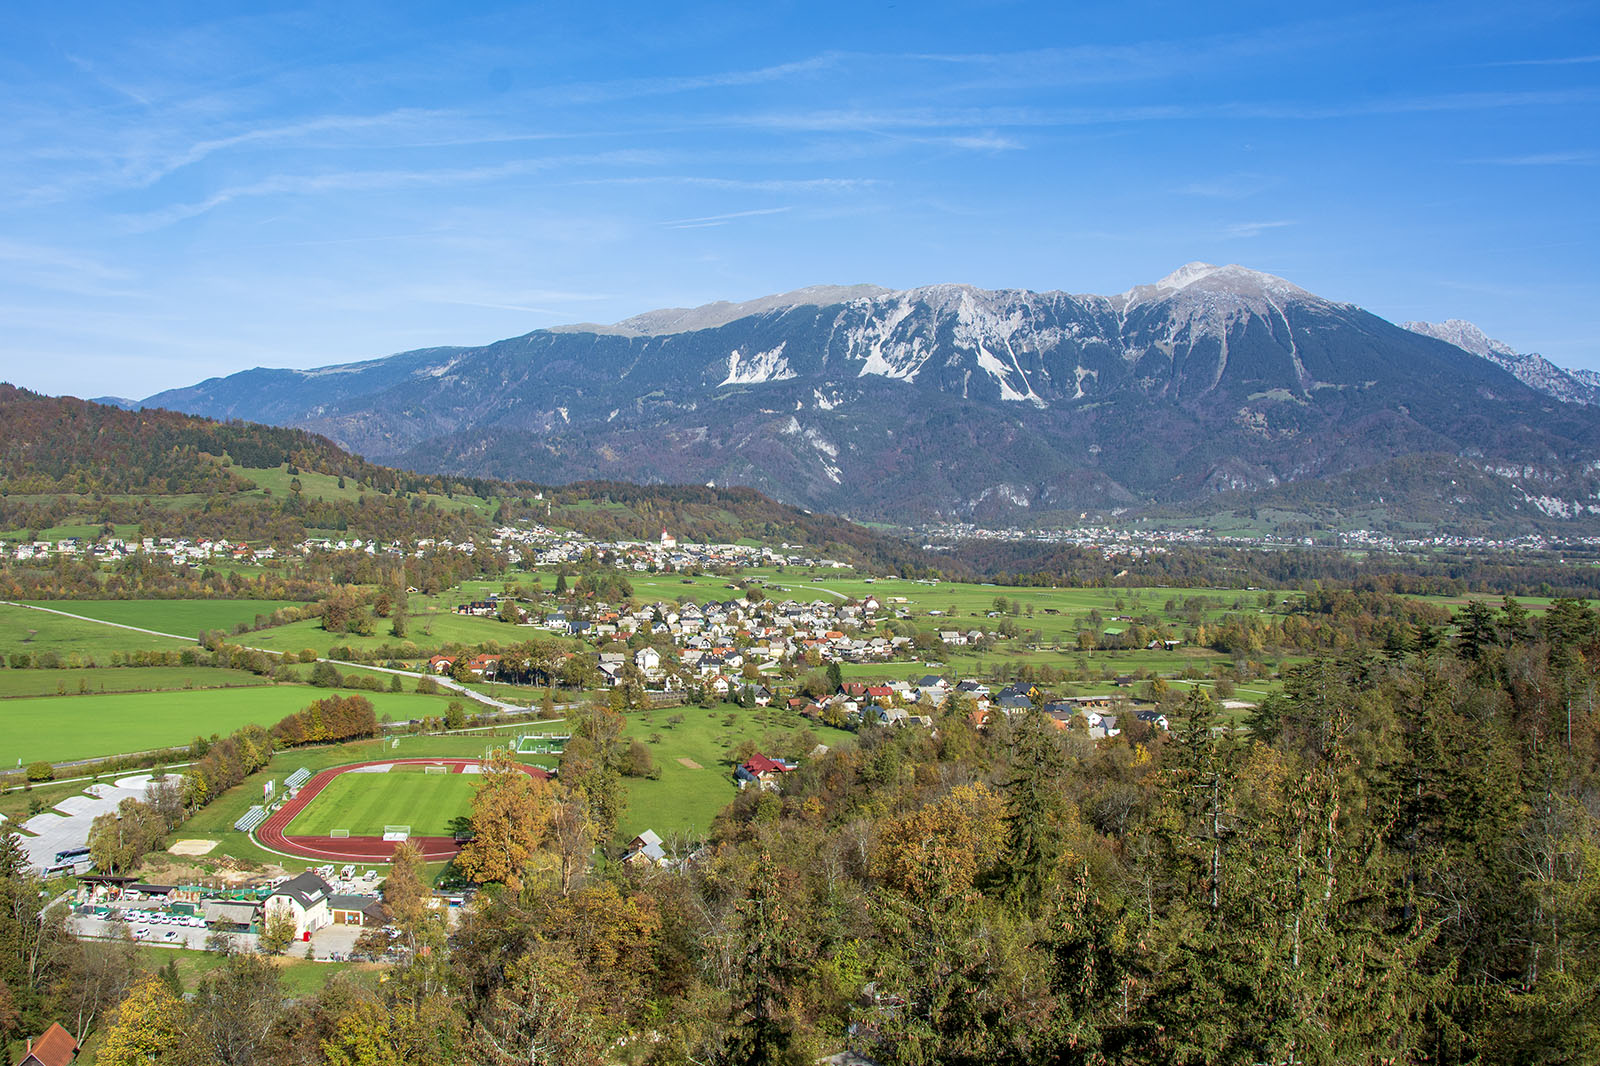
point(1398, 861)
point(169, 474)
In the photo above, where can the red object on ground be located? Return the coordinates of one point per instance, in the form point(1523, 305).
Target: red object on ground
point(357, 849)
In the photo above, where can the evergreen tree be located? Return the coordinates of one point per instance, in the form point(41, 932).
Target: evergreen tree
point(1035, 808)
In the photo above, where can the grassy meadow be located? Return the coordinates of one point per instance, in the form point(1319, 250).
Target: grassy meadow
point(34, 632)
point(687, 798)
point(55, 729)
point(101, 680)
point(182, 617)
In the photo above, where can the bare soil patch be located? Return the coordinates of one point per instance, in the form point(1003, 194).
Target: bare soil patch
point(193, 847)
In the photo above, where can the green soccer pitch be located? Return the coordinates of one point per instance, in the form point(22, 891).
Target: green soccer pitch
point(365, 803)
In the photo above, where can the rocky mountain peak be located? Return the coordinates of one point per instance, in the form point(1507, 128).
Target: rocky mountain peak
point(1207, 281)
point(669, 320)
point(1463, 335)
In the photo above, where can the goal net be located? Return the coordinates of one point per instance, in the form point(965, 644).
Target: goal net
point(436, 769)
point(396, 833)
point(339, 834)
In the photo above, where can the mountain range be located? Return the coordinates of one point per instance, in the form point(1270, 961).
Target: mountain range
point(1215, 385)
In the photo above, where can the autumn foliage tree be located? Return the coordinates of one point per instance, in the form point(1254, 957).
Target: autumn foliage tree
point(333, 719)
point(511, 813)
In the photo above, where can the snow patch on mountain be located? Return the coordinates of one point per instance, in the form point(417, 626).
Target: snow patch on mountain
point(427, 371)
point(821, 443)
point(1206, 279)
point(875, 342)
point(347, 368)
point(763, 366)
point(998, 371)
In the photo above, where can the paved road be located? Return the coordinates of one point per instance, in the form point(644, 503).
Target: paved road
point(442, 682)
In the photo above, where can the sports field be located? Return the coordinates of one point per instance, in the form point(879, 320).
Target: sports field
point(364, 803)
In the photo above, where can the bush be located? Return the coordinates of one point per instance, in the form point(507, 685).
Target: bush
point(41, 771)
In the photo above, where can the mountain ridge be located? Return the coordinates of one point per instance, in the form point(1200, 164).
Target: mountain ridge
point(1532, 369)
point(950, 401)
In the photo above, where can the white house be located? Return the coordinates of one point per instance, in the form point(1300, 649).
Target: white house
point(304, 899)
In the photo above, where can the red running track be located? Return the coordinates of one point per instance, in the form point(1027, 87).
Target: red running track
point(358, 849)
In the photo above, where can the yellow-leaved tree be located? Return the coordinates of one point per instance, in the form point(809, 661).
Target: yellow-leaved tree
point(147, 1027)
point(510, 820)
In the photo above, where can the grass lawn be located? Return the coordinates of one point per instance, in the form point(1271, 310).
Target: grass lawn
point(57, 728)
point(122, 679)
point(365, 803)
point(183, 617)
point(686, 799)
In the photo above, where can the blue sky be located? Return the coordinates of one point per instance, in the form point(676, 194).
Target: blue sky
point(189, 192)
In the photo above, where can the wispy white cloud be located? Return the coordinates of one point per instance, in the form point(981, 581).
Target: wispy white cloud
point(486, 295)
point(752, 184)
point(722, 220)
point(871, 120)
point(41, 257)
point(1236, 186)
point(1400, 105)
point(1558, 61)
point(1254, 229)
point(371, 181)
point(632, 88)
point(1542, 159)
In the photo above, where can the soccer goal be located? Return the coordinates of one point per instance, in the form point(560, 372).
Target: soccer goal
point(436, 769)
point(396, 833)
point(339, 834)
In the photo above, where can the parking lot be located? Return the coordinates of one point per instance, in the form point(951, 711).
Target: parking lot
point(149, 928)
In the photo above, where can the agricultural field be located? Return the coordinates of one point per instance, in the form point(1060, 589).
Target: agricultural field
point(185, 618)
point(1050, 612)
point(432, 623)
point(364, 803)
point(35, 632)
point(430, 627)
point(14, 683)
point(56, 729)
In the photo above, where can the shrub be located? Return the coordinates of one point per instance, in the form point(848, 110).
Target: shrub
point(41, 771)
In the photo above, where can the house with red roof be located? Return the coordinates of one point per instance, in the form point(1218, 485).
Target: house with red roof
point(762, 771)
point(55, 1048)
